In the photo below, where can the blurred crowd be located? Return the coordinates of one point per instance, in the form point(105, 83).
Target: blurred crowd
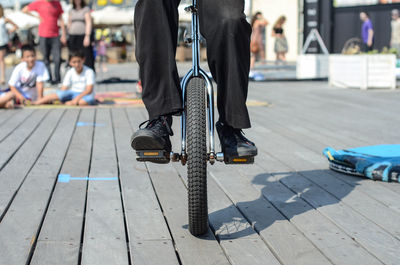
point(29, 78)
point(368, 32)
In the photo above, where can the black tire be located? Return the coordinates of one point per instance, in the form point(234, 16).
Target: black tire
point(197, 156)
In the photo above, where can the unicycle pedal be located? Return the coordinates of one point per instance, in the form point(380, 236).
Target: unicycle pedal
point(155, 156)
point(239, 160)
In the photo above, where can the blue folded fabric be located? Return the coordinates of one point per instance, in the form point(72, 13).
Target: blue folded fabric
point(379, 162)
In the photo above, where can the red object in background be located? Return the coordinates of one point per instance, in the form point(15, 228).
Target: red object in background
point(49, 12)
point(139, 87)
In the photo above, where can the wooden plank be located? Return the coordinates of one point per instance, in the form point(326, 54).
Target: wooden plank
point(21, 224)
point(62, 228)
point(12, 143)
point(376, 240)
point(59, 251)
point(232, 229)
point(147, 229)
point(14, 173)
point(341, 115)
point(240, 241)
point(365, 232)
point(329, 239)
point(104, 235)
point(12, 123)
point(6, 114)
point(338, 139)
point(288, 243)
point(310, 139)
point(353, 120)
point(148, 252)
point(360, 202)
point(173, 197)
point(234, 232)
point(360, 105)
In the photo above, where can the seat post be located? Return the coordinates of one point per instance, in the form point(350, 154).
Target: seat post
point(195, 39)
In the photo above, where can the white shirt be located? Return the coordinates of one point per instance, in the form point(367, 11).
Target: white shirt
point(78, 82)
point(25, 80)
point(395, 32)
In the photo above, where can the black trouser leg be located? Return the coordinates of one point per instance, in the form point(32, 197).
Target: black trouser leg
point(223, 24)
point(156, 30)
point(44, 46)
point(227, 32)
point(56, 56)
point(75, 42)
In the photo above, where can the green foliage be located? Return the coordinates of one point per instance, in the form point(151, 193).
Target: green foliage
point(385, 50)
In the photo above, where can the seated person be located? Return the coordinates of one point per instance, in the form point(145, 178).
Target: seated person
point(27, 80)
point(6, 99)
point(78, 84)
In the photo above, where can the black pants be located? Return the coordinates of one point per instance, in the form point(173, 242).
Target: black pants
point(224, 26)
point(75, 42)
point(51, 46)
point(366, 48)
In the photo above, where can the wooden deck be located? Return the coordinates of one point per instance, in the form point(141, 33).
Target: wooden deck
point(287, 208)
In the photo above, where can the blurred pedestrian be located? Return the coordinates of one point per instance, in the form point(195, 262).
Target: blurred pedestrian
point(4, 39)
point(80, 30)
point(395, 40)
point(367, 32)
point(281, 45)
point(50, 15)
point(102, 53)
point(258, 24)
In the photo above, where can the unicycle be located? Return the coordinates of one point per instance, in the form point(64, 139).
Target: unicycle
point(196, 119)
point(198, 116)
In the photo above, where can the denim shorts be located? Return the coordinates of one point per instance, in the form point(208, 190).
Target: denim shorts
point(67, 95)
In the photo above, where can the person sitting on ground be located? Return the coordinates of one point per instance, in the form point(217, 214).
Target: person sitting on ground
point(78, 85)
point(27, 80)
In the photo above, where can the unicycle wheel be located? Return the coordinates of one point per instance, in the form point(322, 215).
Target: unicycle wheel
point(197, 157)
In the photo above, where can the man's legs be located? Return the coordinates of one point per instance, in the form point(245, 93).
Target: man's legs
point(223, 24)
point(156, 30)
point(56, 55)
point(228, 43)
point(45, 50)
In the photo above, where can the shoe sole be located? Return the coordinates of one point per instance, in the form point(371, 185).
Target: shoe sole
point(241, 157)
point(239, 160)
point(149, 150)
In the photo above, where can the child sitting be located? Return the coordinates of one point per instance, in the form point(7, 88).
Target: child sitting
point(27, 80)
point(78, 84)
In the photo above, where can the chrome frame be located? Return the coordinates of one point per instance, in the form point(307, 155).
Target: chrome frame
point(196, 71)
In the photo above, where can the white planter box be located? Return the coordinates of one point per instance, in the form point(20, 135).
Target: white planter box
point(363, 71)
point(311, 66)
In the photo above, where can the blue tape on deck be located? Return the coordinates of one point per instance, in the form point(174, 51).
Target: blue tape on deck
point(65, 178)
point(82, 124)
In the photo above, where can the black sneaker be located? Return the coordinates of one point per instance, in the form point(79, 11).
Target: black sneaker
point(154, 137)
point(233, 142)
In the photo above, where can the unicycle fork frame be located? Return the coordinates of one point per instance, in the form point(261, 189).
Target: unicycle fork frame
point(196, 71)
